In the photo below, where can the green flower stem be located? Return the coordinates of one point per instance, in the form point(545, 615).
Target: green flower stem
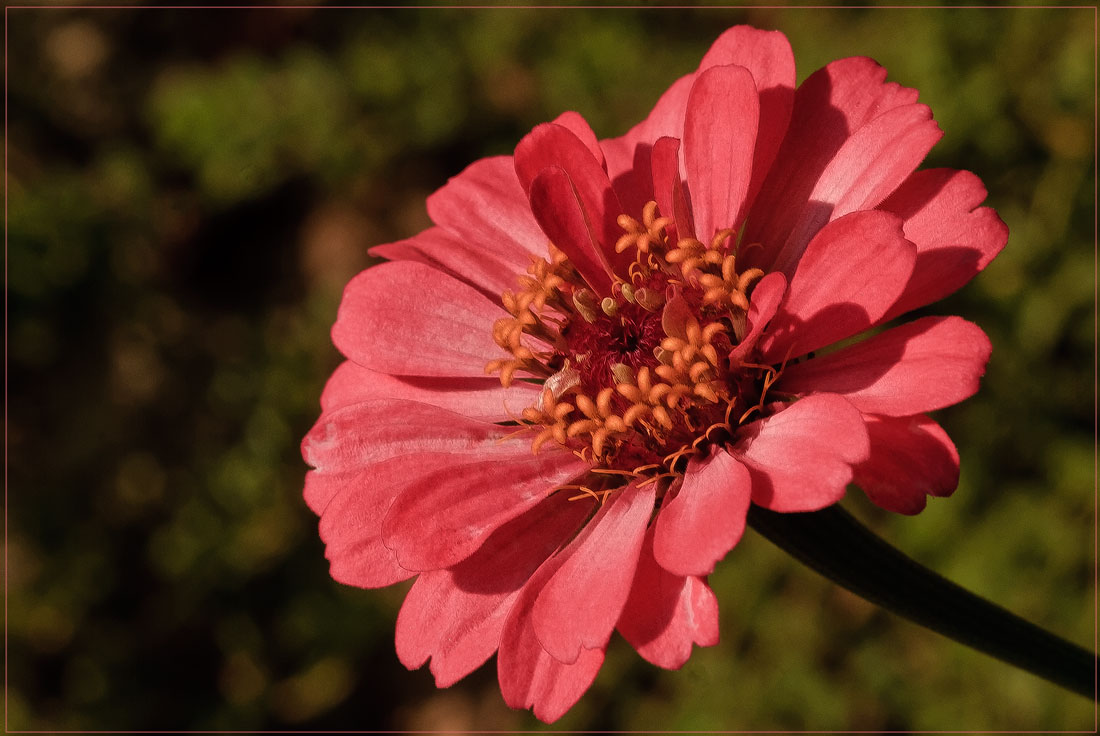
point(839, 547)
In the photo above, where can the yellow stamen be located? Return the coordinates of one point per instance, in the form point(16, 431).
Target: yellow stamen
point(634, 408)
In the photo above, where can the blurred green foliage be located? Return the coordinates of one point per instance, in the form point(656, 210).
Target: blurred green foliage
point(188, 191)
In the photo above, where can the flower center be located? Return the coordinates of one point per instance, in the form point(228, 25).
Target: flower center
point(637, 381)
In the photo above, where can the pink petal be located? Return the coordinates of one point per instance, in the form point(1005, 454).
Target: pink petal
point(350, 384)
point(351, 522)
point(878, 158)
point(706, 518)
point(464, 260)
point(320, 488)
point(668, 189)
point(579, 606)
point(917, 367)
point(849, 276)
point(768, 57)
point(456, 616)
point(554, 145)
point(800, 459)
point(405, 318)
point(531, 678)
point(579, 127)
point(829, 106)
point(354, 436)
point(555, 203)
point(477, 398)
point(911, 457)
point(719, 141)
point(766, 297)
point(955, 238)
point(486, 207)
point(441, 518)
point(665, 613)
point(365, 454)
point(767, 54)
point(867, 168)
point(676, 316)
point(357, 555)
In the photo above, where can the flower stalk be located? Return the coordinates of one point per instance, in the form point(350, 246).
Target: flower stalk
point(838, 546)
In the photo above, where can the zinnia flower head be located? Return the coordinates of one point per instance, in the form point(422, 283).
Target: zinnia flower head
point(649, 309)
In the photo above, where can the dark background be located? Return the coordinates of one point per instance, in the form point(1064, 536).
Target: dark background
point(189, 190)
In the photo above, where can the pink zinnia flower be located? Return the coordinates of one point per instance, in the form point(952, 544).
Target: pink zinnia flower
point(650, 306)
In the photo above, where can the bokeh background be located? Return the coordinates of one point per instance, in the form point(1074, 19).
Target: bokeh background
point(188, 192)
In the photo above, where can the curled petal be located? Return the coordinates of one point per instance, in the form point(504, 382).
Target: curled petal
point(559, 210)
point(766, 297)
point(551, 145)
point(911, 458)
point(801, 458)
point(955, 238)
point(706, 518)
point(580, 604)
point(851, 273)
point(365, 455)
point(579, 127)
point(529, 676)
point(456, 616)
point(351, 520)
point(666, 614)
